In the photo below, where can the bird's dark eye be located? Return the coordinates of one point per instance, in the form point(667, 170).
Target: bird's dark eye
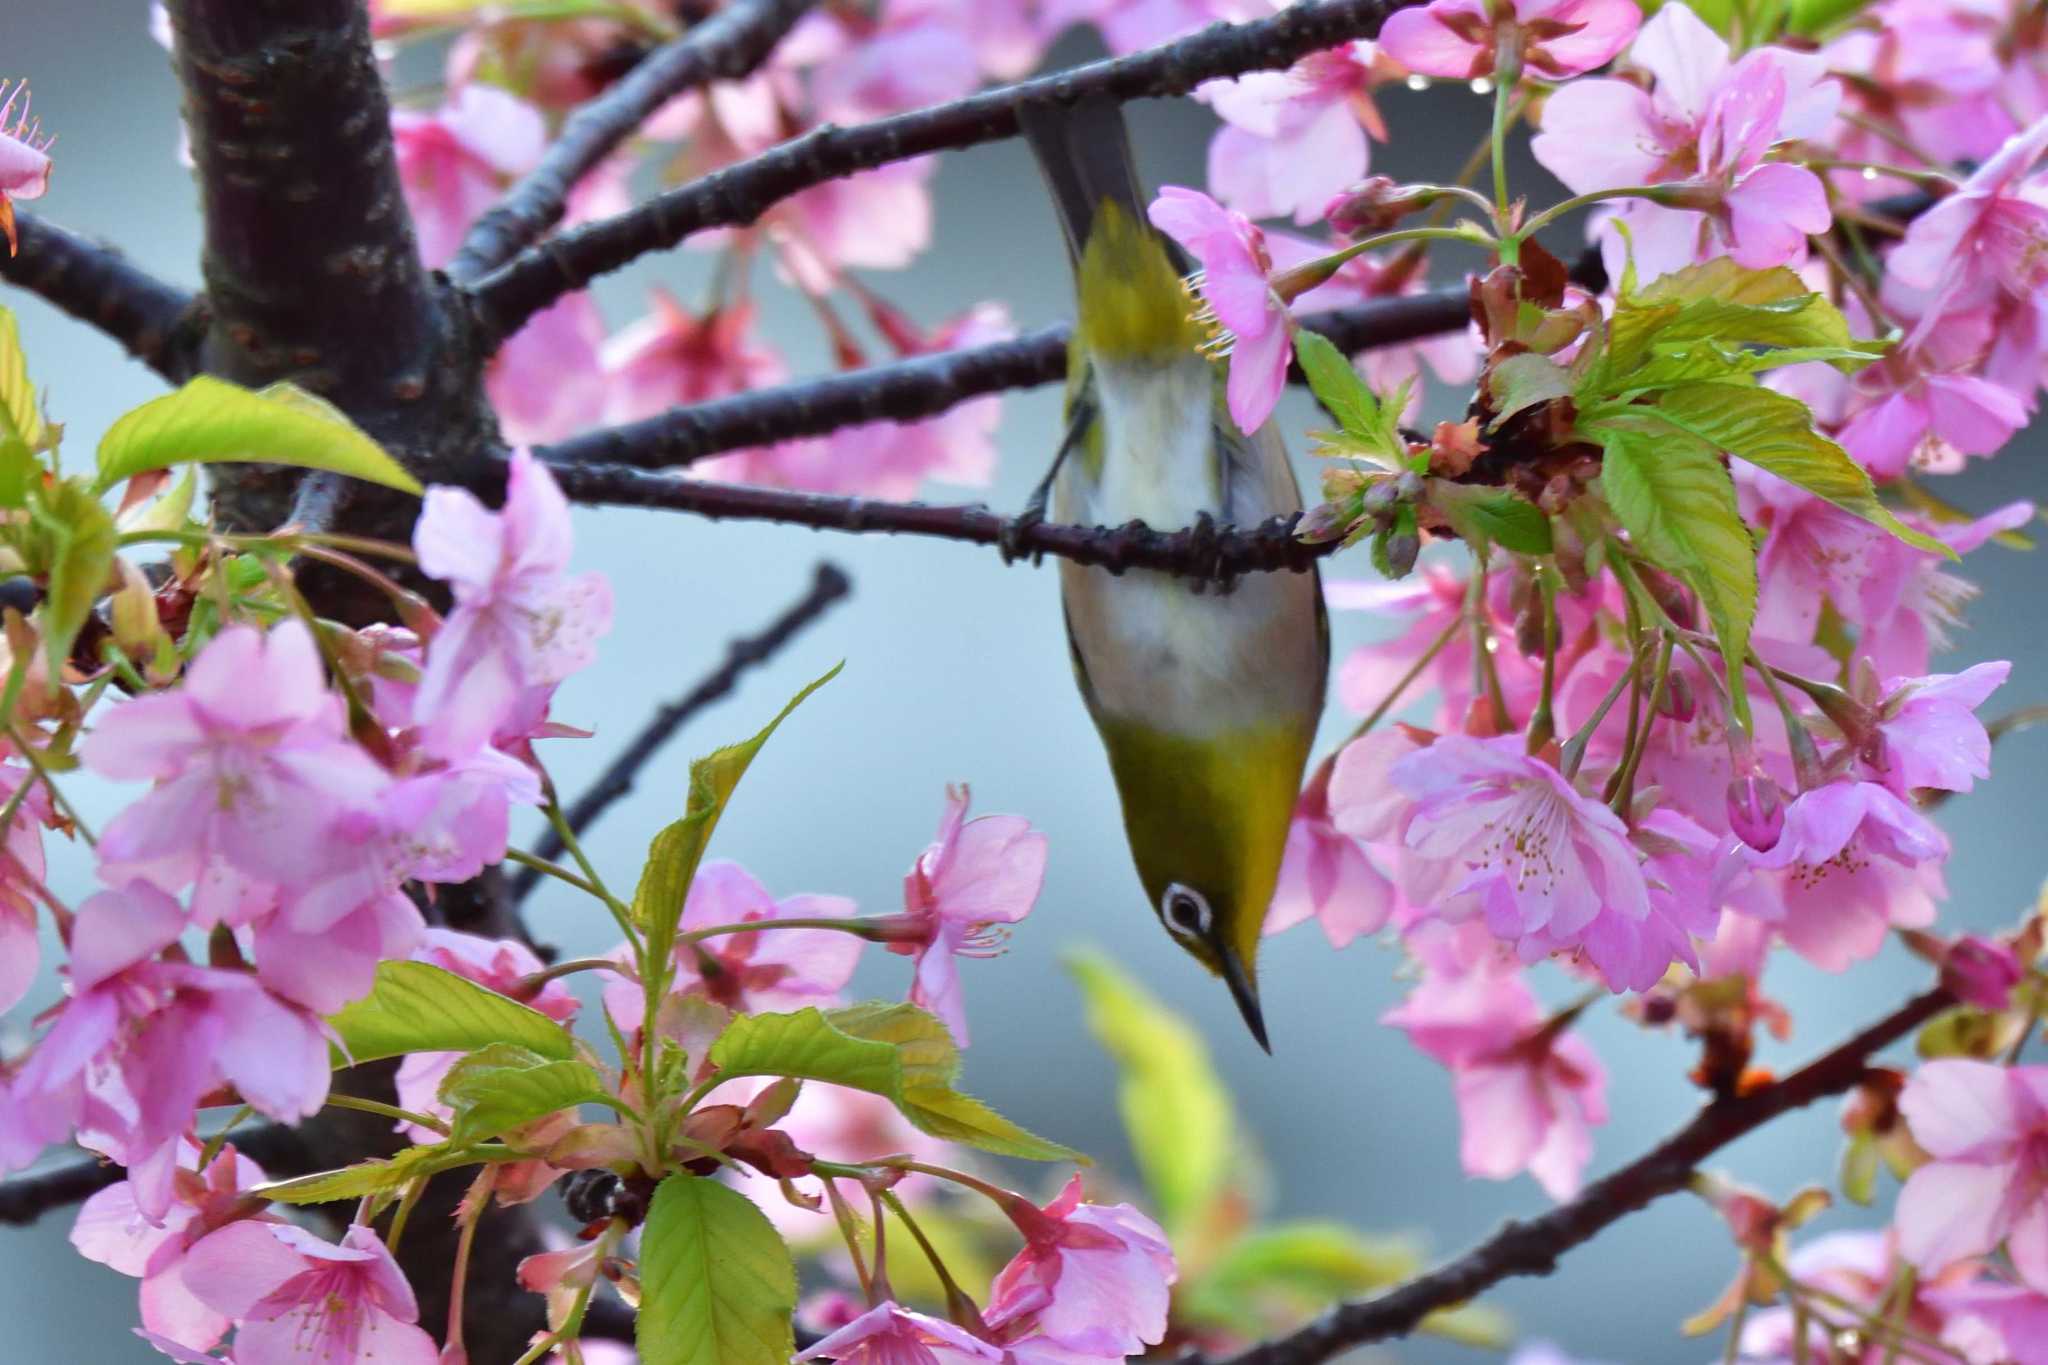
point(1186, 911)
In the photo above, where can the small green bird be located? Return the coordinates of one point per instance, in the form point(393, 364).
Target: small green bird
point(1206, 700)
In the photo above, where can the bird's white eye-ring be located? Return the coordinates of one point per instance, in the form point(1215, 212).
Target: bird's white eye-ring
point(1186, 911)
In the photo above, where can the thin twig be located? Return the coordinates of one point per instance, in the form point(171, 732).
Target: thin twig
point(1533, 1247)
point(1204, 551)
point(927, 385)
point(740, 193)
point(828, 586)
point(728, 45)
point(158, 324)
point(25, 1198)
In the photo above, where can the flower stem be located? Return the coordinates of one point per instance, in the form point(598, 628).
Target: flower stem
point(863, 927)
point(1407, 680)
point(57, 798)
point(1542, 725)
point(528, 985)
point(960, 1306)
point(472, 1212)
point(1580, 201)
point(1507, 72)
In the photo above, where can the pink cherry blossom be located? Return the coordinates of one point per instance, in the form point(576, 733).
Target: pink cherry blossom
point(140, 1041)
point(890, 1334)
point(520, 620)
point(1232, 253)
point(1093, 1278)
point(1986, 1128)
point(671, 358)
point(1921, 415)
point(456, 161)
point(1293, 139)
point(1987, 238)
point(1854, 861)
point(908, 54)
point(1930, 599)
point(21, 876)
point(770, 969)
point(298, 1300)
point(1932, 737)
point(1990, 1319)
point(24, 158)
point(1327, 875)
point(250, 757)
point(546, 381)
point(1607, 134)
point(1461, 39)
point(1511, 839)
point(1528, 1093)
point(1452, 357)
point(977, 874)
point(112, 1229)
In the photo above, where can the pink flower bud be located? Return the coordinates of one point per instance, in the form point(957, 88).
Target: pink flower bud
point(1374, 205)
point(1756, 811)
point(1981, 973)
point(1679, 702)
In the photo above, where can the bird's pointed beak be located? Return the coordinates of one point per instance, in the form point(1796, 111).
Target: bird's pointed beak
point(1245, 991)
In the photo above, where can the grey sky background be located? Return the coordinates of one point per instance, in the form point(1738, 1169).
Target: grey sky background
point(956, 671)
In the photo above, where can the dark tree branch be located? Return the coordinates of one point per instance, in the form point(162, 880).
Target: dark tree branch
point(927, 385)
point(26, 1197)
point(1205, 551)
point(728, 45)
point(742, 192)
point(829, 585)
point(159, 324)
point(1533, 1247)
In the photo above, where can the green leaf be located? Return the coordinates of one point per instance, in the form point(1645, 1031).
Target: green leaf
point(1338, 386)
point(80, 544)
point(497, 1088)
point(210, 421)
point(1175, 1109)
point(367, 1177)
point(21, 419)
point(418, 1007)
point(673, 856)
point(1522, 381)
point(1491, 516)
point(1774, 431)
point(1678, 504)
point(717, 1286)
point(454, 12)
point(896, 1051)
point(1813, 18)
point(807, 1046)
point(1715, 302)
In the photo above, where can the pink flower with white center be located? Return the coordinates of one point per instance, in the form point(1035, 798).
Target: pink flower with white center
point(251, 760)
point(24, 158)
point(1986, 1128)
point(1854, 861)
point(1326, 875)
point(1932, 737)
point(112, 1230)
point(766, 969)
point(1528, 1090)
point(455, 162)
point(21, 876)
point(909, 54)
point(297, 1300)
point(1462, 39)
point(1547, 867)
point(520, 620)
point(890, 1334)
point(546, 381)
point(499, 964)
point(976, 875)
point(1989, 238)
point(140, 1040)
point(1292, 140)
point(1093, 1278)
point(1233, 279)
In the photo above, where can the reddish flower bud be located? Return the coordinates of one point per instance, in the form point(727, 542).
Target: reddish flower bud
point(1679, 702)
point(1981, 973)
point(1376, 204)
point(1756, 811)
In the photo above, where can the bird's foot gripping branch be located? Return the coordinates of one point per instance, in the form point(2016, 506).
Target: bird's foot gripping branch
point(1675, 579)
